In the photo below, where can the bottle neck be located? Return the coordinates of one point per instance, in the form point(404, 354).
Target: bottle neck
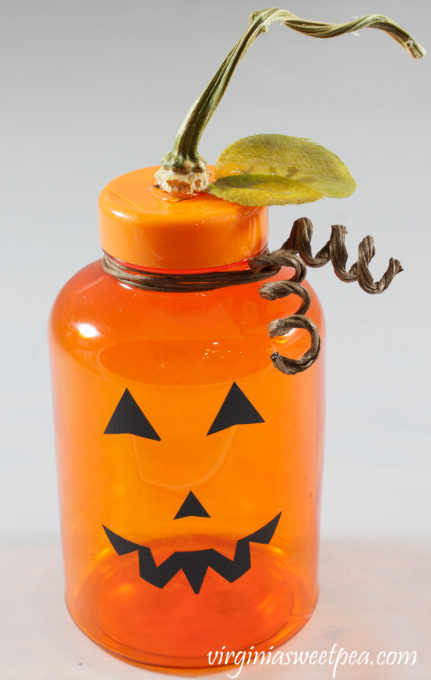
point(239, 265)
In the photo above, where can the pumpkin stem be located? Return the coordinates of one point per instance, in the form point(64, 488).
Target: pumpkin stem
point(183, 169)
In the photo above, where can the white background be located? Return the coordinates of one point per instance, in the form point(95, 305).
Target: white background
point(94, 88)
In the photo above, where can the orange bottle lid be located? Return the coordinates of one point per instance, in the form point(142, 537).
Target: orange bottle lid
point(144, 226)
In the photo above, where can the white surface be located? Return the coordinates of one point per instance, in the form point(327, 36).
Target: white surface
point(92, 90)
point(374, 596)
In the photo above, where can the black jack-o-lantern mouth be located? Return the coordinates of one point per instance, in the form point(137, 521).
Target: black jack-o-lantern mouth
point(194, 563)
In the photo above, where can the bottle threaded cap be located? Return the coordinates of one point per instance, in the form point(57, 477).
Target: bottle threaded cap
point(142, 225)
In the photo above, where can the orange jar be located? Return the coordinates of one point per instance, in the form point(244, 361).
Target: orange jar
point(189, 467)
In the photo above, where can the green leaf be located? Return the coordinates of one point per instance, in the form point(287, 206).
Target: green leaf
point(262, 190)
point(292, 158)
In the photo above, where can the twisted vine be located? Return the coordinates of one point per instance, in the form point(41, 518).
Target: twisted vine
point(335, 251)
point(296, 252)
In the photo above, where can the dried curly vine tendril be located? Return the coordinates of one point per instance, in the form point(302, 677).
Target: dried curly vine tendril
point(183, 170)
point(296, 253)
point(335, 251)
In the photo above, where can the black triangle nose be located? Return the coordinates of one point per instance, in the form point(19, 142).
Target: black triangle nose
point(191, 507)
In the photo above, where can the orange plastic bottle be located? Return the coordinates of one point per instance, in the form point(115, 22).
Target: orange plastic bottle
point(189, 467)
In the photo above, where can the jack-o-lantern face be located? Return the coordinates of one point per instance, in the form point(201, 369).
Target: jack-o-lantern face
point(129, 418)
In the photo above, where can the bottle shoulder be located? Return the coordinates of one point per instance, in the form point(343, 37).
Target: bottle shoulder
point(94, 313)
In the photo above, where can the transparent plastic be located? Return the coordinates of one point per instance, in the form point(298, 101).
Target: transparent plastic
point(189, 468)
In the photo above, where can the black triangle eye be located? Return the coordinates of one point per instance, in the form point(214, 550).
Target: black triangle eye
point(235, 410)
point(129, 419)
